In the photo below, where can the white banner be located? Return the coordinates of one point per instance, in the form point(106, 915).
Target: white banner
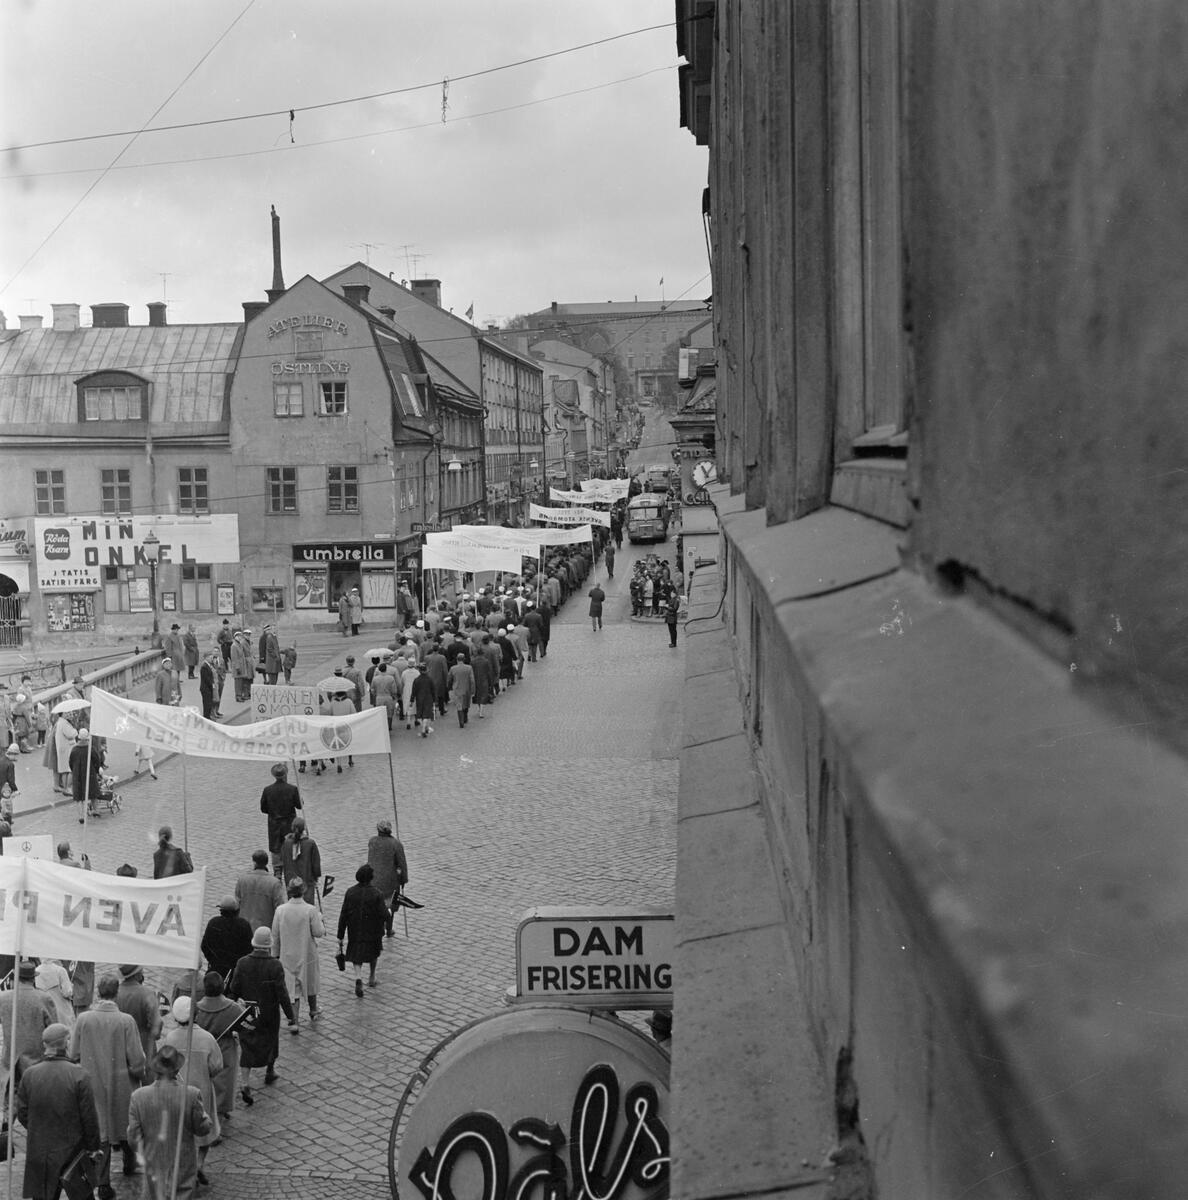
point(569, 516)
point(72, 551)
point(49, 911)
point(282, 700)
point(183, 731)
point(604, 491)
point(461, 554)
point(528, 541)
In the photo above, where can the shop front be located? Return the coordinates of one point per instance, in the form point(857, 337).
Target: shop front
point(14, 581)
point(323, 572)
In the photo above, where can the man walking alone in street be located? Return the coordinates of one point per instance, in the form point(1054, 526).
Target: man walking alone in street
point(597, 596)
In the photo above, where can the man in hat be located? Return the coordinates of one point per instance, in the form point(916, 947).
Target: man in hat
point(352, 674)
point(344, 613)
point(227, 937)
point(296, 927)
point(208, 677)
point(259, 893)
point(224, 638)
point(106, 1042)
point(242, 670)
point(56, 1105)
point(301, 860)
point(8, 772)
point(260, 979)
point(205, 1062)
point(84, 773)
point(356, 602)
point(386, 858)
point(175, 651)
point(140, 1003)
point(216, 1013)
point(34, 1013)
point(270, 654)
point(280, 800)
point(152, 1126)
point(164, 687)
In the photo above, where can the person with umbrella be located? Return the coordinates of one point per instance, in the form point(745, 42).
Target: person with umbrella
point(384, 691)
point(337, 701)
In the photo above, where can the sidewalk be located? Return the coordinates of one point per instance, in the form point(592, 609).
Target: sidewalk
point(37, 793)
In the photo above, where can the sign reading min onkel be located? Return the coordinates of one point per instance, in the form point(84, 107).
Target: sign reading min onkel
point(597, 957)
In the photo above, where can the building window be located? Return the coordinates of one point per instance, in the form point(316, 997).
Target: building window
point(115, 492)
point(49, 489)
point(113, 403)
point(115, 590)
point(281, 485)
point(288, 399)
point(192, 494)
point(342, 489)
point(334, 398)
point(196, 592)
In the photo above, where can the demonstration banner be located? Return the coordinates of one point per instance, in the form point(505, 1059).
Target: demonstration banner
point(569, 516)
point(183, 731)
point(461, 554)
point(50, 911)
point(528, 541)
point(604, 491)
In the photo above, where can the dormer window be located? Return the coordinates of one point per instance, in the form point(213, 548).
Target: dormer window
point(112, 396)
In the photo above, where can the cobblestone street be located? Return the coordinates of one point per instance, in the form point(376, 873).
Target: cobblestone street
point(565, 793)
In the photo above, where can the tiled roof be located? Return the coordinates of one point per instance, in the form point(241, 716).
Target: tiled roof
point(187, 366)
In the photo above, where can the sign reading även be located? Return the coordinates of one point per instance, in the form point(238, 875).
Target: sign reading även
point(600, 957)
point(283, 700)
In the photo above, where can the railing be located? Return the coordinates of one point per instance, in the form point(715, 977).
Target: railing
point(118, 678)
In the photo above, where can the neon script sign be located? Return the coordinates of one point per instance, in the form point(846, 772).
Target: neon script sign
point(598, 1168)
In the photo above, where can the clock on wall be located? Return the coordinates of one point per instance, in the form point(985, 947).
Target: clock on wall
point(704, 473)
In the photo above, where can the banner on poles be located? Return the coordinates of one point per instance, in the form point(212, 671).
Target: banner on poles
point(577, 515)
point(183, 731)
point(461, 554)
point(604, 491)
point(50, 911)
point(527, 541)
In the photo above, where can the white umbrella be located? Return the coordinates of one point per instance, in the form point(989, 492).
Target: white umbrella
point(381, 652)
point(72, 705)
point(336, 684)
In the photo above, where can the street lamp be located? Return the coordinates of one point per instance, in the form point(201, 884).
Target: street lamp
point(152, 552)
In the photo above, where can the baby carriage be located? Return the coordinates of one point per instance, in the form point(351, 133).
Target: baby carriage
point(106, 797)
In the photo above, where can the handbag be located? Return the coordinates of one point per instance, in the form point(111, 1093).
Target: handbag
point(78, 1176)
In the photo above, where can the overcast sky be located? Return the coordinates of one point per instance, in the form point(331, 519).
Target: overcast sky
point(570, 197)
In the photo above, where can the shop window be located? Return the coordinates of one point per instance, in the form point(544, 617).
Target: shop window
point(268, 599)
point(288, 399)
point(197, 595)
point(70, 612)
point(193, 496)
point(342, 489)
point(116, 596)
point(309, 588)
point(115, 492)
point(281, 489)
point(334, 398)
point(49, 492)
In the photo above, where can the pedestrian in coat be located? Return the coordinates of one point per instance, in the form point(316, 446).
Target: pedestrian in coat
point(224, 638)
point(280, 800)
point(106, 1043)
point(84, 774)
point(140, 1003)
point(190, 650)
point(52, 978)
point(389, 866)
point(356, 603)
point(384, 691)
point(34, 1014)
point(534, 623)
point(672, 612)
point(352, 674)
point(242, 670)
point(597, 596)
point(270, 655)
point(260, 979)
point(57, 753)
point(494, 655)
point(216, 1013)
point(480, 669)
point(362, 921)
point(610, 562)
point(164, 683)
point(259, 892)
point(204, 1062)
point(226, 938)
point(56, 1104)
point(438, 671)
point(461, 684)
point(508, 658)
point(207, 677)
point(344, 613)
point(408, 677)
point(175, 651)
point(153, 1116)
point(169, 859)
point(289, 661)
point(424, 700)
point(301, 860)
point(295, 929)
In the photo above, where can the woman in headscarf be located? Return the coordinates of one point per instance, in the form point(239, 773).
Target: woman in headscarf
point(362, 922)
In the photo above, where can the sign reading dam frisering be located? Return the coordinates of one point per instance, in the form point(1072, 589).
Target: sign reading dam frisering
point(183, 731)
point(51, 911)
point(600, 957)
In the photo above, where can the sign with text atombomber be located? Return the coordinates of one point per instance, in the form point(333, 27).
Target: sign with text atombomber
point(597, 957)
point(72, 551)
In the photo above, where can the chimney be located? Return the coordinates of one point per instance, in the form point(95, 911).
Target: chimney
point(66, 317)
point(278, 280)
point(386, 311)
point(356, 293)
point(553, 308)
point(31, 321)
point(3, 322)
point(492, 328)
point(252, 309)
point(157, 314)
point(109, 316)
point(428, 290)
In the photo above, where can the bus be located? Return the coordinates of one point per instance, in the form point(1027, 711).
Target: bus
point(647, 518)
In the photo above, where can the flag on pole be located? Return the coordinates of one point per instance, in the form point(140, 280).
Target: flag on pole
point(470, 312)
point(661, 280)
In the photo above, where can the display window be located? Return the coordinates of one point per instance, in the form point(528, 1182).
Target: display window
point(70, 612)
point(309, 588)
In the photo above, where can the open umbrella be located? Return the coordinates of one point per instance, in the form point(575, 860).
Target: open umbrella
point(336, 683)
point(380, 652)
point(72, 705)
